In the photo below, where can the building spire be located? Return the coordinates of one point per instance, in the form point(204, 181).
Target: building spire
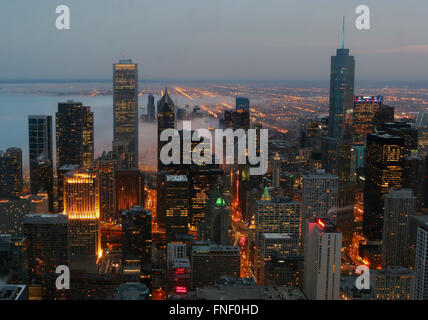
point(343, 33)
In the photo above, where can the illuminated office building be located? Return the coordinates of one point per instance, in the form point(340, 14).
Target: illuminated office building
point(323, 245)
point(41, 156)
point(422, 126)
point(104, 167)
point(278, 244)
point(125, 113)
point(276, 215)
point(129, 189)
point(399, 207)
point(363, 123)
point(392, 283)
point(176, 205)
point(47, 241)
point(11, 180)
point(74, 141)
point(12, 213)
point(209, 263)
point(178, 276)
point(279, 271)
point(406, 131)
point(384, 171)
point(82, 207)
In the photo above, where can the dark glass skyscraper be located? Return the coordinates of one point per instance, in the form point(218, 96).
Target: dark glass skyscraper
point(384, 171)
point(166, 120)
point(11, 181)
point(125, 113)
point(74, 140)
point(40, 155)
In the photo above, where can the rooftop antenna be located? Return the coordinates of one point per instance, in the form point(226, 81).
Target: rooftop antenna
point(343, 33)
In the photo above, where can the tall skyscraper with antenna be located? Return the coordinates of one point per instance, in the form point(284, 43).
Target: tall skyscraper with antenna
point(342, 80)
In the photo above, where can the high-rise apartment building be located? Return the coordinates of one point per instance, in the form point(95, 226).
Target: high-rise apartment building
point(323, 245)
point(11, 179)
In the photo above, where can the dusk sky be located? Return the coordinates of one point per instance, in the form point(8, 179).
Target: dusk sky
point(212, 39)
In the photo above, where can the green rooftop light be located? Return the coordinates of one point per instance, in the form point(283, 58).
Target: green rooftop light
point(220, 202)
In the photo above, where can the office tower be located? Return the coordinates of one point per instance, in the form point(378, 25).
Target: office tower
point(176, 205)
point(47, 248)
point(277, 215)
point(242, 104)
point(323, 245)
point(14, 258)
point(422, 126)
point(384, 171)
point(41, 156)
point(399, 206)
point(281, 271)
point(74, 141)
point(319, 195)
point(151, 112)
point(278, 244)
point(129, 189)
point(209, 263)
point(82, 207)
point(421, 263)
point(137, 242)
point(176, 250)
point(104, 167)
point(202, 179)
point(383, 115)
point(276, 171)
point(12, 213)
point(11, 180)
point(413, 178)
point(178, 275)
point(217, 221)
point(392, 283)
point(406, 131)
point(166, 109)
point(125, 113)
point(363, 121)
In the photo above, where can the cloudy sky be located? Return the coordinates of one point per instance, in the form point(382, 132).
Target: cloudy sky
point(212, 39)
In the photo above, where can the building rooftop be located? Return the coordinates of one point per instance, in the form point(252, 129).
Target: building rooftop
point(12, 292)
point(210, 248)
point(276, 236)
point(176, 178)
point(45, 218)
point(245, 292)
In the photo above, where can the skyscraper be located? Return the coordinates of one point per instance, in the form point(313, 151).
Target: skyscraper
point(137, 241)
point(392, 283)
point(421, 263)
point(40, 155)
point(104, 167)
point(82, 207)
point(242, 104)
point(176, 205)
point(11, 180)
point(125, 113)
point(151, 112)
point(47, 249)
point(209, 263)
point(399, 206)
point(363, 123)
point(166, 118)
point(319, 195)
point(323, 245)
point(129, 189)
point(342, 80)
point(74, 140)
point(384, 171)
